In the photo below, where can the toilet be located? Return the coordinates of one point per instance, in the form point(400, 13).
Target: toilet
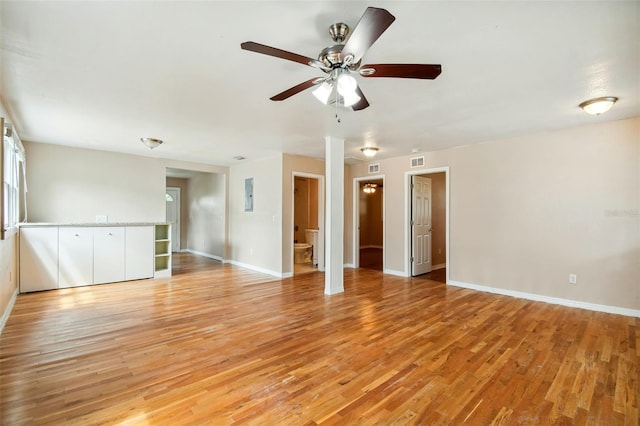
point(302, 252)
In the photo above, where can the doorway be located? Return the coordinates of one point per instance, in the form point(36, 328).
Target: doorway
point(427, 223)
point(308, 223)
point(369, 230)
point(173, 216)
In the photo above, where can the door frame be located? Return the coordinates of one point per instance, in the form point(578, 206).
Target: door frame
point(179, 218)
point(356, 219)
point(407, 216)
point(321, 251)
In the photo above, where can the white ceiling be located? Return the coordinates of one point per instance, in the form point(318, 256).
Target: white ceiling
point(103, 74)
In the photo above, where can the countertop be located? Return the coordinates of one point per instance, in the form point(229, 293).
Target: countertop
point(92, 224)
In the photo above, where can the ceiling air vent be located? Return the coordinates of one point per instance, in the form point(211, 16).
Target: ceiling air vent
point(417, 162)
point(374, 168)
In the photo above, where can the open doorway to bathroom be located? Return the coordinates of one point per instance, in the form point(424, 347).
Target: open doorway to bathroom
point(307, 218)
point(369, 211)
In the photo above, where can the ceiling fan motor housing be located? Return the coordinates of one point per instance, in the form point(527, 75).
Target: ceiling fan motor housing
point(330, 56)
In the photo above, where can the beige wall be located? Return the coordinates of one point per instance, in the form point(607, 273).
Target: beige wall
point(526, 212)
point(313, 203)
point(206, 212)
point(438, 218)
point(301, 208)
point(183, 184)
point(256, 237)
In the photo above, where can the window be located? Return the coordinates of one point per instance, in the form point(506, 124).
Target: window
point(12, 161)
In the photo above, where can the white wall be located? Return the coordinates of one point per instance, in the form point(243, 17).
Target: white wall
point(526, 212)
point(256, 237)
point(8, 255)
point(206, 210)
point(73, 185)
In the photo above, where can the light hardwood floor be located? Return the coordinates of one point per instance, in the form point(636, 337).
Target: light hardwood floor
point(216, 344)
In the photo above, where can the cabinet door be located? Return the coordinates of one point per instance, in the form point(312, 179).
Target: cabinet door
point(139, 252)
point(38, 259)
point(108, 254)
point(75, 257)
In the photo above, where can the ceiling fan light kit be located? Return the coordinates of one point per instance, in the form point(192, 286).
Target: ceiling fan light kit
point(344, 58)
point(597, 106)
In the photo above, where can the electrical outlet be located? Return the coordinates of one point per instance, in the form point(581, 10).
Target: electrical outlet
point(573, 278)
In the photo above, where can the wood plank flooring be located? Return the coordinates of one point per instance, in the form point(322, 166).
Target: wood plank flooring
point(216, 344)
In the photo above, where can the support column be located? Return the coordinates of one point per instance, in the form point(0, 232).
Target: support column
point(334, 171)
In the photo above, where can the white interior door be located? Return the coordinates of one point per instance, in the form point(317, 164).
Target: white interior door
point(173, 216)
point(420, 225)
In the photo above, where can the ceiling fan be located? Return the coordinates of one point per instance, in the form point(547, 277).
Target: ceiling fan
point(342, 59)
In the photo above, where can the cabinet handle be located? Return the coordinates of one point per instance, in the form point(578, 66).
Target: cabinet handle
point(110, 233)
point(77, 235)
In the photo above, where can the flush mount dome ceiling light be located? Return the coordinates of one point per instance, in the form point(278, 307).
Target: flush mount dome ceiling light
point(369, 151)
point(151, 142)
point(598, 105)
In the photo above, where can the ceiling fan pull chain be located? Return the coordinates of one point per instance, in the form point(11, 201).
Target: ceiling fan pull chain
point(336, 102)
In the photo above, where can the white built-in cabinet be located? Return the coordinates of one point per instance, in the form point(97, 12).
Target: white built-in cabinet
point(139, 241)
point(109, 255)
point(75, 257)
point(69, 256)
point(38, 259)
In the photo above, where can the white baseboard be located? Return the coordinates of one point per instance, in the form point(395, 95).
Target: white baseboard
point(7, 311)
point(203, 254)
point(547, 299)
point(259, 269)
point(348, 265)
point(394, 272)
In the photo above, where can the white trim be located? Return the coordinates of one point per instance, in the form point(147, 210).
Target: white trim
point(396, 273)
point(259, 269)
point(348, 265)
point(438, 266)
point(8, 309)
point(356, 218)
point(547, 299)
point(407, 216)
point(203, 254)
point(321, 214)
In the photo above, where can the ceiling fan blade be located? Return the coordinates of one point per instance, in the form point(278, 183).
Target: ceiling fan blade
point(371, 25)
point(424, 71)
point(297, 89)
point(362, 103)
point(279, 53)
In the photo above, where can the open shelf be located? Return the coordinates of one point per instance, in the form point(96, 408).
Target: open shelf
point(162, 267)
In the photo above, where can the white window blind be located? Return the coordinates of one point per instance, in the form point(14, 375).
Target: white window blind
point(13, 159)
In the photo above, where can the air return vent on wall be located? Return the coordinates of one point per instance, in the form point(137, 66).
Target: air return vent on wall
point(417, 162)
point(374, 168)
